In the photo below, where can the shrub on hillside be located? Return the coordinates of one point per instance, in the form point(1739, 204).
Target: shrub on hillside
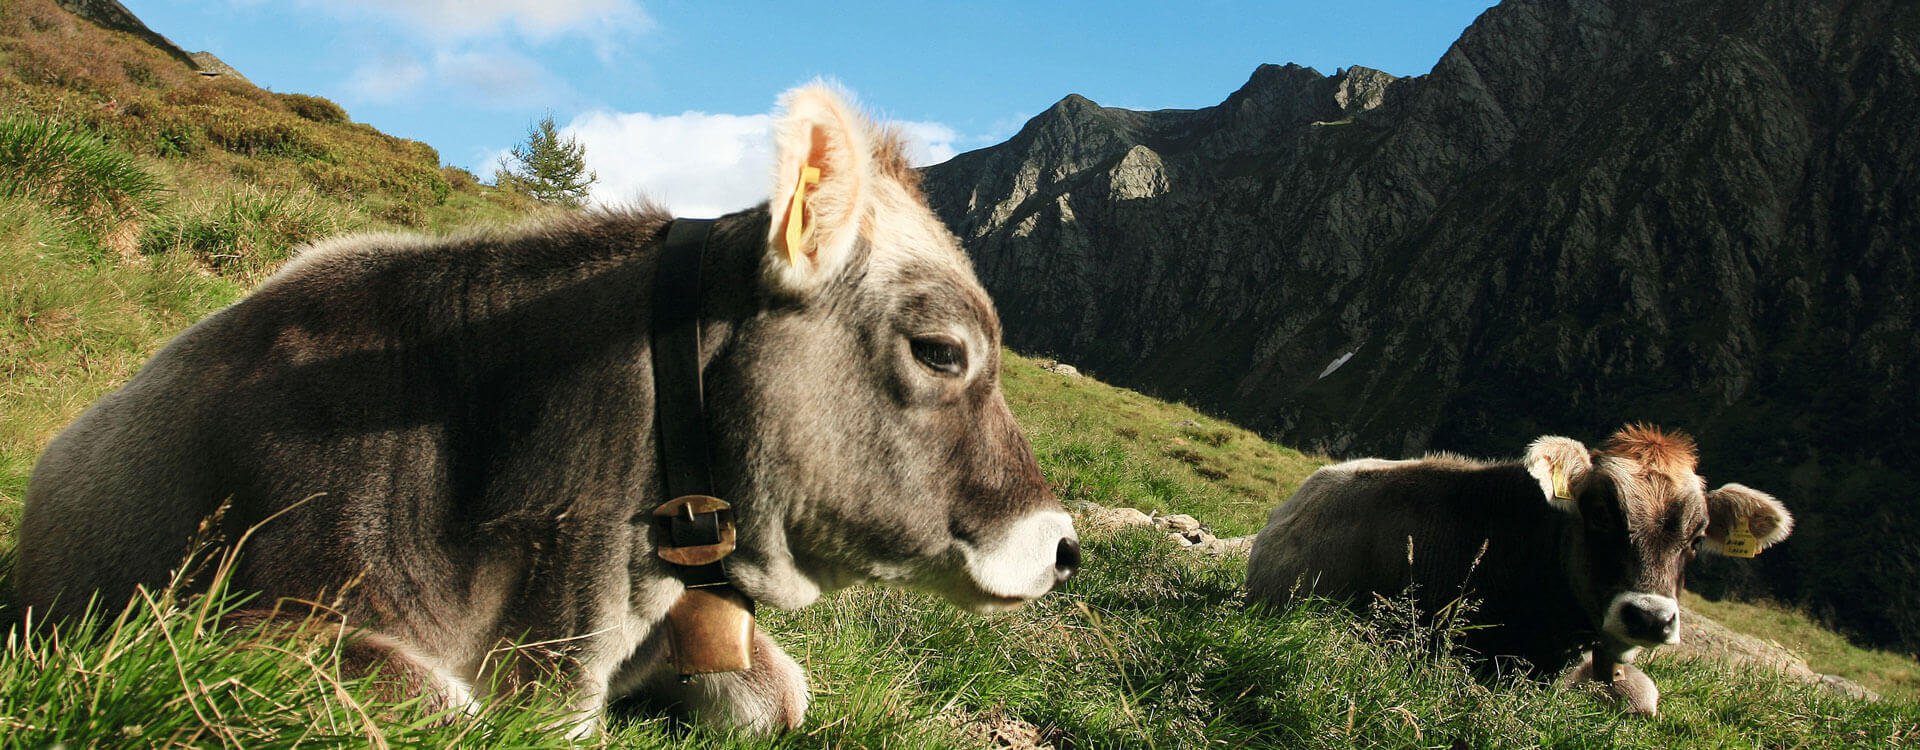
point(458, 178)
point(315, 108)
point(374, 180)
point(178, 138)
point(73, 171)
point(246, 233)
point(252, 134)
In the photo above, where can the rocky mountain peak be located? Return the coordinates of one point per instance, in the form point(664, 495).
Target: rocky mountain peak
point(1358, 89)
point(1074, 105)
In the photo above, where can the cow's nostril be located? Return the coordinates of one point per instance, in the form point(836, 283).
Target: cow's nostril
point(1650, 621)
point(1068, 560)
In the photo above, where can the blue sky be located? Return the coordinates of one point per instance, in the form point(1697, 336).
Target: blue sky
point(671, 97)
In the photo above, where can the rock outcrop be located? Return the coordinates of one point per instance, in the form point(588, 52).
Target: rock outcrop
point(112, 15)
point(1706, 639)
point(1702, 213)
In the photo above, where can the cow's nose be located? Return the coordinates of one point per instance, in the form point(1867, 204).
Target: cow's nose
point(1067, 561)
point(1656, 621)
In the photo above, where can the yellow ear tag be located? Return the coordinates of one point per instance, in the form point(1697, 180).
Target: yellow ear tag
point(1560, 489)
point(797, 212)
point(1740, 541)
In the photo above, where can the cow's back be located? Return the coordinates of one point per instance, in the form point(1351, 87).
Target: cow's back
point(407, 395)
point(1340, 536)
point(1377, 527)
point(1444, 526)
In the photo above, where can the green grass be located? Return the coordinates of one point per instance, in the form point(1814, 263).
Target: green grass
point(72, 171)
point(1150, 647)
point(164, 672)
point(75, 322)
point(1826, 652)
point(1153, 648)
point(1115, 447)
point(248, 232)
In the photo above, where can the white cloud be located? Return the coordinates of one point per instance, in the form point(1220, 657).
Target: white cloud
point(695, 163)
point(391, 79)
point(928, 142)
point(700, 164)
point(539, 20)
point(500, 78)
point(490, 77)
point(476, 46)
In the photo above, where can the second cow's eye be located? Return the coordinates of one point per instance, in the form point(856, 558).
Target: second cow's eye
point(942, 354)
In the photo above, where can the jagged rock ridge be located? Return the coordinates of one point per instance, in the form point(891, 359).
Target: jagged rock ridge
point(112, 15)
point(1700, 213)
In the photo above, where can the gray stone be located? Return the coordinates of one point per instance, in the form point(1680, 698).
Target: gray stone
point(1703, 638)
point(1239, 545)
point(1098, 517)
point(1848, 688)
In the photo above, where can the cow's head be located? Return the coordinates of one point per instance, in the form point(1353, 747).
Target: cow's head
point(861, 398)
point(1643, 515)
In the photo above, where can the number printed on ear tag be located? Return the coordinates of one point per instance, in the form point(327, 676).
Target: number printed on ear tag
point(1740, 541)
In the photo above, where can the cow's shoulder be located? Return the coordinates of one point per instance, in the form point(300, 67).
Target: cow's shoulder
point(1439, 478)
point(1426, 469)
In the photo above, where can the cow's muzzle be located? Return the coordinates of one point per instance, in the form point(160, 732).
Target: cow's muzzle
point(1035, 553)
point(1644, 619)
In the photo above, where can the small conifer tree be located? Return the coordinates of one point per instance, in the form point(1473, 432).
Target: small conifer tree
point(548, 166)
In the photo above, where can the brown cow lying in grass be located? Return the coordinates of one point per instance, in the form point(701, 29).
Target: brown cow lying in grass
point(471, 422)
point(1567, 549)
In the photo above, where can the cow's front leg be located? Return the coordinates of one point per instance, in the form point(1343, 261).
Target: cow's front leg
point(1621, 684)
point(769, 697)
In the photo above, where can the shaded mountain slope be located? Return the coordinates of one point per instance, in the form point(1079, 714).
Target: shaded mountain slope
point(1699, 213)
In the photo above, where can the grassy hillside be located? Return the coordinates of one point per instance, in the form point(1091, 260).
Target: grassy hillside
point(114, 236)
point(1115, 447)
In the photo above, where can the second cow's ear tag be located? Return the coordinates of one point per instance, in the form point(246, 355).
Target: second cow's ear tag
point(796, 228)
point(1560, 489)
point(1740, 540)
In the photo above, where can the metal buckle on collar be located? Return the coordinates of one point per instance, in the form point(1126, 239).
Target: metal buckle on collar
point(699, 530)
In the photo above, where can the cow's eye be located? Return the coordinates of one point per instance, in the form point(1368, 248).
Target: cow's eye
point(941, 354)
point(1697, 541)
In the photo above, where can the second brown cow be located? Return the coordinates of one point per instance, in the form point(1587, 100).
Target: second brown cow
point(1567, 549)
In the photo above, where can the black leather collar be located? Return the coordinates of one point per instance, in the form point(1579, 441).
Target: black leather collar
point(680, 423)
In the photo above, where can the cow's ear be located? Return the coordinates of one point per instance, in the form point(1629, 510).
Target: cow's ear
point(1742, 521)
point(823, 173)
point(1560, 465)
